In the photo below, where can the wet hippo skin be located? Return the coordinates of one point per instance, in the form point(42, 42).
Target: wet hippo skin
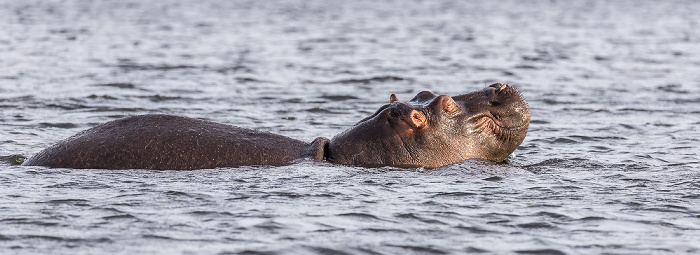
point(427, 131)
point(169, 142)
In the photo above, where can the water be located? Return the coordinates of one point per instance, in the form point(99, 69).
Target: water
point(610, 164)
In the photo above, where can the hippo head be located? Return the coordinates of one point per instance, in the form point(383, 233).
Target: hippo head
point(433, 131)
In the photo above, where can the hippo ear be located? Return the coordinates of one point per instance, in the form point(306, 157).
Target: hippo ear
point(448, 104)
point(418, 119)
point(393, 98)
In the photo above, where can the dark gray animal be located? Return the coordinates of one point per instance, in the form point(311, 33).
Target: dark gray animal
point(427, 131)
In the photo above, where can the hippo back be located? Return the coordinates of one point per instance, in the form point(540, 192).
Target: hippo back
point(168, 142)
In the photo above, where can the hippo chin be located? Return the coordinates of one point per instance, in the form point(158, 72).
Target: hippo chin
point(427, 131)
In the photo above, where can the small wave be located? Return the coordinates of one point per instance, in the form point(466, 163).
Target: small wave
point(237, 198)
point(454, 194)
point(683, 101)
point(531, 67)
point(163, 67)
point(494, 179)
point(419, 218)
point(538, 167)
point(472, 250)
point(177, 193)
point(251, 80)
point(160, 98)
point(564, 140)
point(597, 138)
point(420, 249)
point(319, 110)
point(536, 225)
point(498, 216)
point(293, 101)
point(117, 85)
point(553, 215)
point(80, 202)
point(157, 237)
point(79, 185)
point(339, 97)
point(234, 69)
point(119, 217)
point(14, 160)
point(475, 230)
point(670, 208)
point(479, 168)
point(555, 102)
point(325, 251)
point(210, 213)
point(283, 194)
point(116, 109)
point(328, 40)
point(270, 226)
point(632, 109)
point(385, 230)
point(17, 99)
point(62, 239)
point(28, 221)
point(672, 88)
point(105, 97)
point(57, 125)
point(692, 196)
point(62, 185)
point(287, 194)
point(370, 80)
point(359, 215)
point(592, 218)
point(107, 209)
point(9, 77)
point(130, 66)
point(68, 106)
point(542, 252)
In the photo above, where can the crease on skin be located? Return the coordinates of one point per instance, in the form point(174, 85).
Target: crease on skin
point(414, 157)
point(405, 146)
point(487, 124)
point(487, 121)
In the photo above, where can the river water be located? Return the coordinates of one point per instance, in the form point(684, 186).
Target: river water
point(611, 163)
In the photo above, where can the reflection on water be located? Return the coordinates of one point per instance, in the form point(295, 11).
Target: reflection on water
point(610, 163)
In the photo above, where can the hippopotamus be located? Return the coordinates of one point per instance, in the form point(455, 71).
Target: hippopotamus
point(428, 131)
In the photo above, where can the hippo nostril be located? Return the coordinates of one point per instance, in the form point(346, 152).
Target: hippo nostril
point(502, 88)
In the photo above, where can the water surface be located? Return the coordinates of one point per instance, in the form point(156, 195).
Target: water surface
point(610, 163)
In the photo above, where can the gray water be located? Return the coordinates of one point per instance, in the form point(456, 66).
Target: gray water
point(611, 163)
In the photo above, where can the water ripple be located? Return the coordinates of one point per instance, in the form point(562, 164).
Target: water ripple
point(609, 164)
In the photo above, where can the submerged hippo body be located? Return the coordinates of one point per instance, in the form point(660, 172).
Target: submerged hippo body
point(170, 142)
point(427, 131)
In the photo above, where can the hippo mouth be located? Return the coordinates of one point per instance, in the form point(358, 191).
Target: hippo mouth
point(488, 123)
point(508, 115)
